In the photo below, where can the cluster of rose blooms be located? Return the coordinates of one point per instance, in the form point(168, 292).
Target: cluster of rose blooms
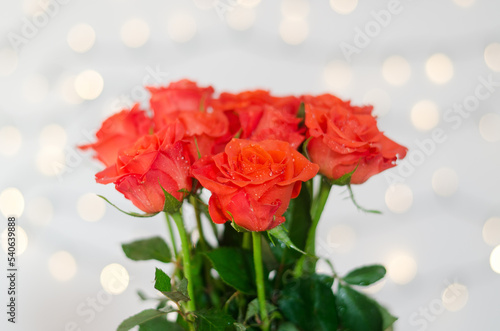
point(242, 147)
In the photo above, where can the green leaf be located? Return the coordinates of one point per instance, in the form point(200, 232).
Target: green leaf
point(304, 148)
point(171, 205)
point(387, 318)
point(309, 303)
point(138, 319)
point(162, 281)
point(345, 179)
point(148, 249)
point(180, 292)
point(280, 233)
point(126, 212)
point(239, 327)
point(163, 284)
point(235, 267)
point(160, 324)
point(253, 309)
point(356, 311)
point(365, 276)
point(210, 320)
point(287, 326)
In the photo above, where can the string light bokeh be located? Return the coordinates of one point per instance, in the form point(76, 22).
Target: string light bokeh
point(431, 70)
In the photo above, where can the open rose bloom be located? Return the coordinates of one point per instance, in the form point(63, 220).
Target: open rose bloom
point(191, 135)
point(256, 155)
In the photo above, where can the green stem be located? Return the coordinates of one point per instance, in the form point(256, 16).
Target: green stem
point(186, 259)
point(172, 236)
point(259, 279)
point(194, 201)
point(307, 263)
point(246, 240)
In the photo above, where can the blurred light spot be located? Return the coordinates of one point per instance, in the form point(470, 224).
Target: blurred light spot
point(89, 84)
point(114, 278)
point(445, 182)
point(396, 70)
point(343, 6)
point(455, 297)
point(134, 33)
point(195, 236)
point(398, 198)
point(40, 211)
point(495, 259)
point(374, 288)
point(439, 68)
point(8, 61)
point(10, 140)
point(181, 27)
point(35, 88)
point(401, 268)
point(50, 161)
point(492, 56)
point(337, 75)
point(464, 3)
point(240, 18)
point(380, 100)
point(21, 240)
point(90, 207)
point(205, 4)
point(248, 3)
point(293, 31)
point(295, 9)
point(53, 135)
point(322, 267)
point(489, 127)
point(491, 231)
point(81, 38)
point(68, 92)
point(30, 7)
point(341, 238)
point(424, 115)
point(11, 202)
point(62, 266)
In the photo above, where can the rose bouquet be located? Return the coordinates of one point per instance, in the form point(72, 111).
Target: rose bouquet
point(257, 154)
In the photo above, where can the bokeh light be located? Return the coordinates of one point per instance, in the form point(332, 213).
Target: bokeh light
point(492, 56)
point(53, 135)
point(181, 27)
point(341, 238)
point(396, 70)
point(114, 278)
point(8, 61)
point(90, 207)
point(21, 240)
point(491, 231)
point(240, 18)
point(495, 259)
point(439, 68)
point(89, 84)
point(62, 266)
point(134, 33)
point(425, 115)
point(11, 202)
point(81, 38)
point(293, 31)
point(398, 198)
point(344, 6)
point(489, 127)
point(51, 161)
point(401, 268)
point(445, 182)
point(455, 297)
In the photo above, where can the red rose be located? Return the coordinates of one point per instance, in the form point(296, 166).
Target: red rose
point(183, 95)
point(252, 182)
point(118, 132)
point(261, 116)
point(154, 160)
point(344, 137)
